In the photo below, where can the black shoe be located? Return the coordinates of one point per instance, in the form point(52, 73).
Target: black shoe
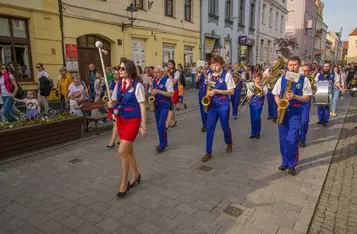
point(174, 124)
point(137, 180)
point(234, 117)
point(258, 136)
point(159, 149)
point(325, 124)
point(110, 146)
point(292, 171)
point(274, 120)
point(319, 122)
point(251, 137)
point(122, 194)
point(269, 118)
point(185, 106)
point(118, 142)
point(302, 144)
point(203, 129)
point(283, 168)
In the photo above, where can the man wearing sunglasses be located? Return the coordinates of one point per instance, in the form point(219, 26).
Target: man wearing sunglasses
point(162, 89)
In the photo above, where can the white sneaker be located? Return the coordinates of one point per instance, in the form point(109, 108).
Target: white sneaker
point(100, 122)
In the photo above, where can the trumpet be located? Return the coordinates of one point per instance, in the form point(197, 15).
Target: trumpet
point(206, 100)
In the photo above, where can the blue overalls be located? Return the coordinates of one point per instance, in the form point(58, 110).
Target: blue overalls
point(272, 106)
point(323, 111)
point(289, 129)
point(162, 106)
point(235, 98)
point(218, 109)
point(129, 106)
point(305, 118)
point(256, 107)
point(201, 93)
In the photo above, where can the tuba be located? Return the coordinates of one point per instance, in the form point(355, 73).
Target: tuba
point(283, 103)
point(276, 73)
point(206, 100)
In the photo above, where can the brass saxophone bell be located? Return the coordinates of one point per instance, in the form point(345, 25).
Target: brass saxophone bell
point(151, 101)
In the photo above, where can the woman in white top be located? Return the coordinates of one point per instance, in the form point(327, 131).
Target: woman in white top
point(193, 76)
point(43, 100)
point(336, 91)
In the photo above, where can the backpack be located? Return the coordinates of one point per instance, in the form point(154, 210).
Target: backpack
point(45, 86)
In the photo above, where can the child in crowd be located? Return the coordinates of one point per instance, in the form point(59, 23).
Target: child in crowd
point(353, 84)
point(99, 86)
point(32, 105)
point(180, 98)
point(74, 108)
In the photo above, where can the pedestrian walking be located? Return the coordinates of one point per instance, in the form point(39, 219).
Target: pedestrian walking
point(44, 86)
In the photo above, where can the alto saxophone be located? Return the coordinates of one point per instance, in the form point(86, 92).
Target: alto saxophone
point(283, 103)
point(151, 101)
point(206, 100)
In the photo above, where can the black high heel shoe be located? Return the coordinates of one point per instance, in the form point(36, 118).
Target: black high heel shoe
point(122, 194)
point(137, 180)
point(110, 146)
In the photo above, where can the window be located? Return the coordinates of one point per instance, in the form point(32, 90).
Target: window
point(15, 47)
point(228, 10)
point(263, 13)
point(241, 13)
point(213, 7)
point(188, 10)
point(169, 8)
point(276, 20)
point(168, 53)
point(139, 4)
point(188, 56)
point(282, 23)
point(252, 16)
point(262, 50)
point(271, 17)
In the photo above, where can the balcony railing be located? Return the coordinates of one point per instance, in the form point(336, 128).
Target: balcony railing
point(318, 32)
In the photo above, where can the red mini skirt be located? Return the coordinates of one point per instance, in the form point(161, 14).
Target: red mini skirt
point(128, 128)
point(175, 97)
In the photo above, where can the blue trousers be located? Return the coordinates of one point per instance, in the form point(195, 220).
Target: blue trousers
point(203, 113)
point(305, 118)
point(323, 113)
point(235, 99)
point(289, 139)
point(161, 116)
point(7, 108)
point(255, 118)
point(272, 106)
point(215, 113)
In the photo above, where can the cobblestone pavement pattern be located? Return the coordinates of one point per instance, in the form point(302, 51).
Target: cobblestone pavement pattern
point(47, 194)
point(336, 211)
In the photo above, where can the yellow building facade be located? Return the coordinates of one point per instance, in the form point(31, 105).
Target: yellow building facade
point(30, 34)
point(160, 32)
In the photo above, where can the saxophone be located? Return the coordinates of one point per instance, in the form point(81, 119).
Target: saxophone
point(151, 101)
point(206, 100)
point(283, 103)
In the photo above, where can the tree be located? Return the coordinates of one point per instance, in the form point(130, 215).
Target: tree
point(286, 46)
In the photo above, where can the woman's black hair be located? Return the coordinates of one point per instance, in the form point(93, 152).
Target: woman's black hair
point(6, 67)
point(174, 65)
point(180, 65)
point(41, 65)
point(140, 69)
point(338, 68)
point(131, 69)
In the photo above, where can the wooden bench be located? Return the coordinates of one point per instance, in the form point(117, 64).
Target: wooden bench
point(89, 106)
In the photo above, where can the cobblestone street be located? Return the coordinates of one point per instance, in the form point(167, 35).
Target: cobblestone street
point(46, 193)
point(336, 211)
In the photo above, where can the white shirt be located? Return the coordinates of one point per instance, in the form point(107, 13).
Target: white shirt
point(177, 75)
point(264, 88)
point(306, 90)
point(267, 71)
point(193, 70)
point(228, 79)
point(31, 104)
point(75, 89)
point(139, 92)
point(4, 92)
point(169, 86)
point(42, 73)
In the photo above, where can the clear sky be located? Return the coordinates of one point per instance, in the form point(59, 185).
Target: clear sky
point(342, 13)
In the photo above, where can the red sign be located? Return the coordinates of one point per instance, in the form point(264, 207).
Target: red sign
point(71, 51)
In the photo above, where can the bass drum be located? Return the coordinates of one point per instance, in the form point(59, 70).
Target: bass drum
point(323, 95)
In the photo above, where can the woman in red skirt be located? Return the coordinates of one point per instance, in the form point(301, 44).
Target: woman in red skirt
point(131, 118)
point(174, 75)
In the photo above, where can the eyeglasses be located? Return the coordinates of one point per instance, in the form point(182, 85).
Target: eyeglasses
point(3, 68)
point(38, 67)
point(122, 69)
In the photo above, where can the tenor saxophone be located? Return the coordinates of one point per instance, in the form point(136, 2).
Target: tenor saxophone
point(283, 103)
point(206, 100)
point(151, 101)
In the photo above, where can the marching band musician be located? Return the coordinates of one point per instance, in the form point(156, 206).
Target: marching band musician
point(219, 107)
point(256, 105)
point(200, 79)
point(235, 98)
point(272, 107)
point(289, 129)
point(323, 111)
point(162, 89)
point(131, 118)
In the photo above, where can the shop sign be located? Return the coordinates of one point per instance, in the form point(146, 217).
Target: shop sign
point(72, 66)
point(242, 39)
point(209, 44)
point(71, 52)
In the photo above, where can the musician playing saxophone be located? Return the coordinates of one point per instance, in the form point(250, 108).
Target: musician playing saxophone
point(219, 107)
point(256, 98)
point(235, 98)
point(272, 107)
point(299, 93)
point(323, 111)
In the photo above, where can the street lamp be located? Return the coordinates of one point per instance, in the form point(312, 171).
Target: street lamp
point(131, 9)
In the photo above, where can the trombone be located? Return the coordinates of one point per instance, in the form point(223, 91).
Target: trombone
point(246, 100)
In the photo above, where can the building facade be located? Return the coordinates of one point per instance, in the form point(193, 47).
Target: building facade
point(336, 47)
point(271, 27)
point(301, 24)
point(229, 30)
point(161, 30)
point(30, 34)
point(329, 51)
point(352, 47)
point(319, 52)
point(344, 51)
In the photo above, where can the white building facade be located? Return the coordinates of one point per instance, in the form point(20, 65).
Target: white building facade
point(272, 20)
point(229, 29)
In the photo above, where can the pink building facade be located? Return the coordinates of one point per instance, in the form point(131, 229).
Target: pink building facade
point(301, 23)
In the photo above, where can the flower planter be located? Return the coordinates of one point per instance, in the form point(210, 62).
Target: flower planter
point(33, 137)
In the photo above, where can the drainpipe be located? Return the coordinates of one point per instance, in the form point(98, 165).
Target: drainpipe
point(60, 6)
point(201, 40)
